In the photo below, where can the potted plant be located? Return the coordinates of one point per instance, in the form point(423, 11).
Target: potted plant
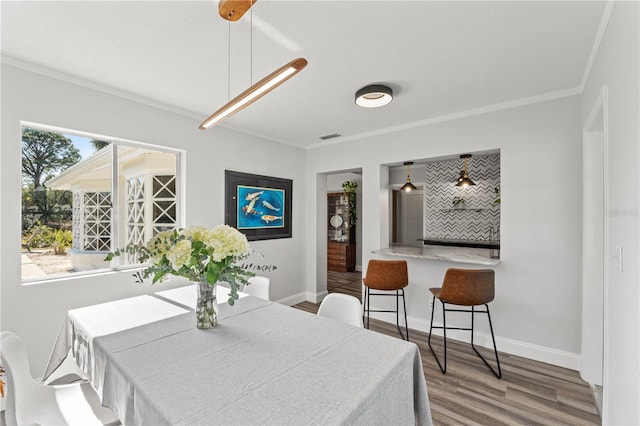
point(203, 256)
point(458, 202)
point(496, 191)
point(349, 187)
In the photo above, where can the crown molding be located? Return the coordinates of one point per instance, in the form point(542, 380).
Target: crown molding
point(80, 81)
point(604, 22)
point(602, 28)
point(456, 116)
point(90, 84)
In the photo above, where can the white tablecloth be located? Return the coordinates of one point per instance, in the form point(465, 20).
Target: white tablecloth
point(264, 364)
point(82, 325)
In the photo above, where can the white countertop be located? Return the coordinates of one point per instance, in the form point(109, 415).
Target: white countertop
point(450, 254)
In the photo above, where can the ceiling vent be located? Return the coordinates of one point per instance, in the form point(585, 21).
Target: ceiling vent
point(331, 136)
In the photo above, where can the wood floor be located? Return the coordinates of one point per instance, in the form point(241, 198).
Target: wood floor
point(529, 393)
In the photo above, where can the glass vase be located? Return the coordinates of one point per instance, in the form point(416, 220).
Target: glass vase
point(206, 306)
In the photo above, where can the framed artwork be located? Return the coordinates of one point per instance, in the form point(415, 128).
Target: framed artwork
point(258, 206)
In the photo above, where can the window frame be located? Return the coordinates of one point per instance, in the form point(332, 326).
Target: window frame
point(116, 237)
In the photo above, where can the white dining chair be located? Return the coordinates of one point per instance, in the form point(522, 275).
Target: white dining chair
point(29, 402)
point(342, 307)
point(258, 286)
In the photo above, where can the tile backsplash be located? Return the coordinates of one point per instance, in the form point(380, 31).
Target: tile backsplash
point(477, 217)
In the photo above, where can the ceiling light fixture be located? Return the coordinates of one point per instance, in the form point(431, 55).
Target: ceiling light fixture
point(408, 186)
point(463, 180)
point(232, 10)
point(374, 96)
point(255, 92)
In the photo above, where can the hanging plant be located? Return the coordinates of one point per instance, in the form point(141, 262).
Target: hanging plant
point(496, 191)
point(458, 202)
point(349, 187)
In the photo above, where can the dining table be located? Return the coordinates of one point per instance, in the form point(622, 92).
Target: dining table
point(264, 363)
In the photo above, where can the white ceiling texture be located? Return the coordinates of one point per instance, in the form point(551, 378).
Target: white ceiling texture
point(439, 57)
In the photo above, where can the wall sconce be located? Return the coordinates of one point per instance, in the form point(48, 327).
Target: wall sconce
point(408, 186)
point(463, 180)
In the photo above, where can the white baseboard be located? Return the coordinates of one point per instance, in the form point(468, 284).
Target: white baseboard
point(293, 300)
point(514, 347)
point(317, 296)
point(303, 297)
point(511, 346)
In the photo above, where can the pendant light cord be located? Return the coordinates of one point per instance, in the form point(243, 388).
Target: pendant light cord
point(251, 48)
point(229, 63)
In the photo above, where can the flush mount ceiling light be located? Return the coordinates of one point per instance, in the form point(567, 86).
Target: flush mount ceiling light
point(374, 96)
point(232, 10)
point(463, 180)
point(408, 186)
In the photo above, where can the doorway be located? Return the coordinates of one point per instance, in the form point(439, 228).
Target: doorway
point(344, 239)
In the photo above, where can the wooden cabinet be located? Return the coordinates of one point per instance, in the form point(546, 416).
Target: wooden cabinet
point(341, 246)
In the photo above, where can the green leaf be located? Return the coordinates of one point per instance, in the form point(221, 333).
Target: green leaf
point(213, 272)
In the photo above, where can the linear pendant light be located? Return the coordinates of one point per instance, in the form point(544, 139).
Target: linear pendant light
point(255, 92)
point(232, 10)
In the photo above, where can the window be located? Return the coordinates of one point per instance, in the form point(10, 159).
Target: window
point(83, 196)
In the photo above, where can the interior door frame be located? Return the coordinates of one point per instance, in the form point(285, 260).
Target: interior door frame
point(594, 365)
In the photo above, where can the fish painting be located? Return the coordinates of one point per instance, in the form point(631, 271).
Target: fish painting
point(269, 218)
point(254, 195)
point(259, 207)
point(270, 206)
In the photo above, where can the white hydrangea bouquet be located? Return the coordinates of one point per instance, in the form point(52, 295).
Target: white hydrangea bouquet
point(205, 256)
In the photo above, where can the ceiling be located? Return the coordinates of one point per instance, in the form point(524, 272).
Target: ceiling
point(439, 58)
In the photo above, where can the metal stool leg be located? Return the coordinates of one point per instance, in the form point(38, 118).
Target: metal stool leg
point(398, 313)
point(366, 314)
point(365, 306)
point(433, 309)
point(404, 307)
point(406, 329)
point(498, 373)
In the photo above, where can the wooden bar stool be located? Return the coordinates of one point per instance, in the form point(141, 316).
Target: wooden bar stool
point(465, 287)
point(386, 276)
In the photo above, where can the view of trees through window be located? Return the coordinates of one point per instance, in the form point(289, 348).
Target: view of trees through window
point(67, 224)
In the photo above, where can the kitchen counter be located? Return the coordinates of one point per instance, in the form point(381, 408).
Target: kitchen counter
point(477, 256)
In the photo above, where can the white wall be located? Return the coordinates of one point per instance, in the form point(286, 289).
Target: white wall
point(36, 311)
point(617, 66)
point(537, 310)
